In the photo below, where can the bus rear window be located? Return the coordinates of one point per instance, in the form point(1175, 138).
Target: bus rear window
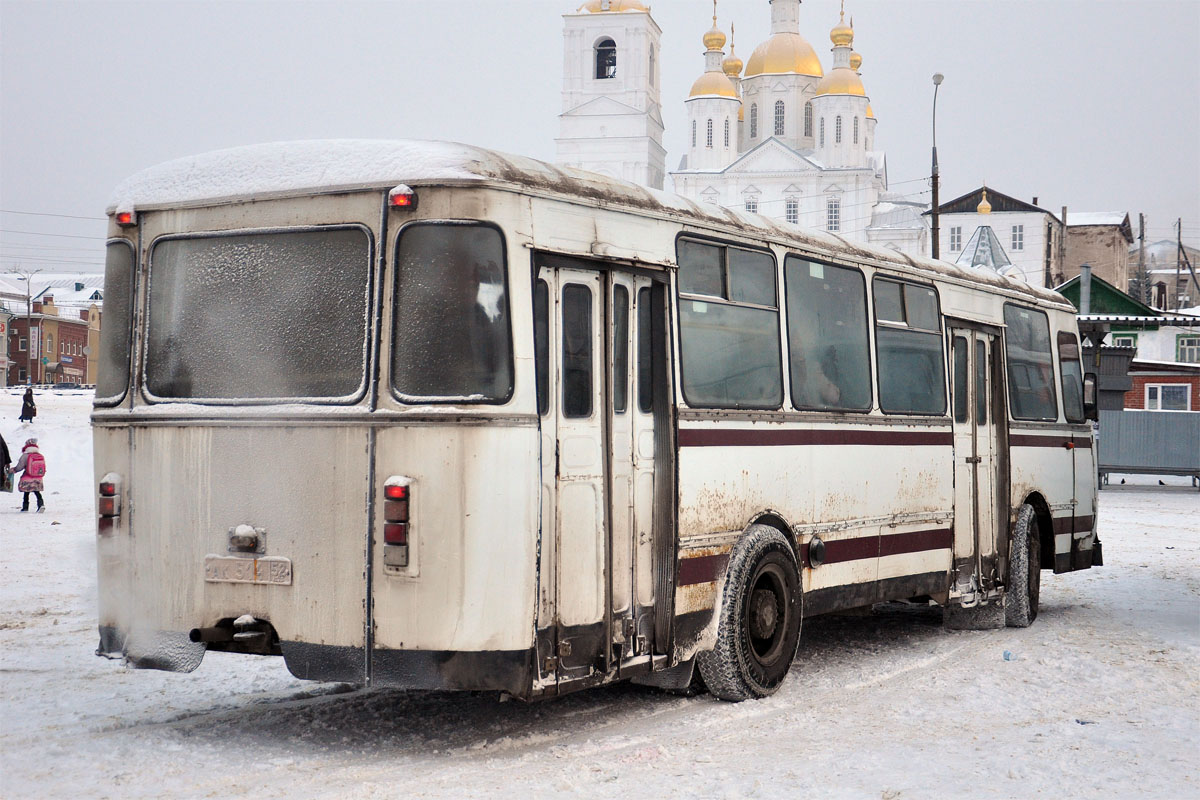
point(277, 315)
point(451, 339)
point(113, 370)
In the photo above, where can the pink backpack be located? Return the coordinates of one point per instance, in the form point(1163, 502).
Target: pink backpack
point(35, 465)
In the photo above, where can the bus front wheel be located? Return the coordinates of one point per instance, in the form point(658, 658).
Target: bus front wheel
point(760, 618)
point(1024, 571)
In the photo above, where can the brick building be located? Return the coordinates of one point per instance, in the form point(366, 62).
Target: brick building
point(57, 348)
point(1101, 240)
point(1163, 386)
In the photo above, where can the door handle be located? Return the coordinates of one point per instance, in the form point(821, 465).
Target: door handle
point(973, 459)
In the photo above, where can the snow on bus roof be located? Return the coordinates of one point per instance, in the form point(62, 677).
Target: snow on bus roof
point(279, 169)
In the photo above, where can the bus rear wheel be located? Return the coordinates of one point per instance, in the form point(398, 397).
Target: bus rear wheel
point(760, 618)
point(1024, 571)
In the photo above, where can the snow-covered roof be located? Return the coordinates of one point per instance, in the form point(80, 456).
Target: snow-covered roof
point(895, 212)
point(1095, 218)
point(1171, 320)
point(984, 251)
point(283, 169)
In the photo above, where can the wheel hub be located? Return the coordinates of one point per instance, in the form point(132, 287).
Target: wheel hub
point(764, 613)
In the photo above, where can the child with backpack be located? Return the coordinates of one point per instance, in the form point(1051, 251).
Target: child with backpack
point(34, 465)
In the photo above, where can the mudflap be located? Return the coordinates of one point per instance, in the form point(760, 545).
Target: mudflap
point(1097, 554)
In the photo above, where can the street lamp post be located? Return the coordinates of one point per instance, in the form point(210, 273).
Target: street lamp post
point(28, 278)
point(937, 81)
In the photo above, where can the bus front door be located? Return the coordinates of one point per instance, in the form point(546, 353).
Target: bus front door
point(976, 462)
point(597, 605)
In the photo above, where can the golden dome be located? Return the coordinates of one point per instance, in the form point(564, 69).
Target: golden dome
point(732, 65)
point(597, 6)
point(984, 206)
point(714, 39)
point(713, 83)
point(870, 112)
point(784, 53)
point(842, 34)
point(841, 80)
point(855, 61)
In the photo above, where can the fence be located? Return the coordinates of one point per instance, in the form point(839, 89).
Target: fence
point(1155, 442)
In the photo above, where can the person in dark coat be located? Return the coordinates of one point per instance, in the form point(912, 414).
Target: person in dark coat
point(28, 407)
point(5, 460)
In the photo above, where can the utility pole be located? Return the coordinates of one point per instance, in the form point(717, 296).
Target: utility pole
point(1143, 289)
point(1178, 259)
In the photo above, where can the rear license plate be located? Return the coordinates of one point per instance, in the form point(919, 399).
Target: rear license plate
point(274, 570)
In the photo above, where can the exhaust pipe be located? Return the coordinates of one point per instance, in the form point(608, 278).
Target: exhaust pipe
point(211, 635)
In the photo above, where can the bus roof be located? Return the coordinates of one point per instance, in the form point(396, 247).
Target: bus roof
point(284, 169)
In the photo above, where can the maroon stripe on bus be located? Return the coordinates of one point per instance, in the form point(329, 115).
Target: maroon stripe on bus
point(895, 544)
point(1067, 524)
point(700, 569)
point(1054, 440)
point(735, 437)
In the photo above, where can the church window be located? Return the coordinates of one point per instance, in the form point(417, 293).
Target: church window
point(1018, 237)
point(693, 133)
point(779, 118)
point(754, 120)
point(833, 214)
point(837, 131)
point(606, 59)
point(808, 119)
point(822, 132)
point(708, 135)
point(752, 204)
point(727, 131)
point(856, 130)
point(792, 211)
point(956, 238)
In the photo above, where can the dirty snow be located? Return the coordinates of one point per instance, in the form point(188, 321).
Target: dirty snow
point(1100, 698)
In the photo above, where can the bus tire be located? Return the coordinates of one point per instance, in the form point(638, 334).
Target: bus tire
point(760, 618)
point(1024, 571)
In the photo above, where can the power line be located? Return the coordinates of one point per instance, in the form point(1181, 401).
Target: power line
point(46, 214)
point(60, 235)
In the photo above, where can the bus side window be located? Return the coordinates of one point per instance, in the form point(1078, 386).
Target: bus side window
point(541, 344)
point(1030, 371)
point(909, 348)
point(577, 350)
point(644, 371)
point(981, 382)
point(1072, 376)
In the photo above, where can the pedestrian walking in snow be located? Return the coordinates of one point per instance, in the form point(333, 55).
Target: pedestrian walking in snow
point(33, 464)
point(5, 460)
point(28, 407)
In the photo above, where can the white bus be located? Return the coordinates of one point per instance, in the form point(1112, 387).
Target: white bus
point(430, 416)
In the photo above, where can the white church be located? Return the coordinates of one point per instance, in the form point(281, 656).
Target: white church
point(777, 135)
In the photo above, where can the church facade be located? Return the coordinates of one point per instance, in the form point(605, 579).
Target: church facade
point(776, 135)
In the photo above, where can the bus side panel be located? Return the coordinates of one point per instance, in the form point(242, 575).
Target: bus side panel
point(1042, 464)
point(111, 455)
point(460, 615)
point(301, 490)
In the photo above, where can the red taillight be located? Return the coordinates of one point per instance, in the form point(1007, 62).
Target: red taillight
point(109, 507)
point(395, 533)
point(108, 504)
point(395, 492)
point(108, 489)
point(395, 511)
point(106, 525)
point(402, 197)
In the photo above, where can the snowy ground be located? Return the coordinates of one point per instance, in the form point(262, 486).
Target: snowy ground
point(1101, 697)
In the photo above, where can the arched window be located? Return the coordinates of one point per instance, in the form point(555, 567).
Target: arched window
point(837, 131)
point(856, 130)
point(727, 131)
point(708, 135)
point(793, 211)
point(651, 65)
point(606, 59)
point(822, 136)
point(808, 119)
point(693, 133)
point(754, 120)
point(779, 118)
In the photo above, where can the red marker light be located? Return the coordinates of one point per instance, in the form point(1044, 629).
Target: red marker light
point(395, 492)
point(125, 219)
point(402, 197)
point(395, 533)
point(108, 489)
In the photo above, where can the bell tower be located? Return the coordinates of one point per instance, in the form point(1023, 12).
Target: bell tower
point(611, 120)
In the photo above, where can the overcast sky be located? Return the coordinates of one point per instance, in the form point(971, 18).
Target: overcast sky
point(1093, 105)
